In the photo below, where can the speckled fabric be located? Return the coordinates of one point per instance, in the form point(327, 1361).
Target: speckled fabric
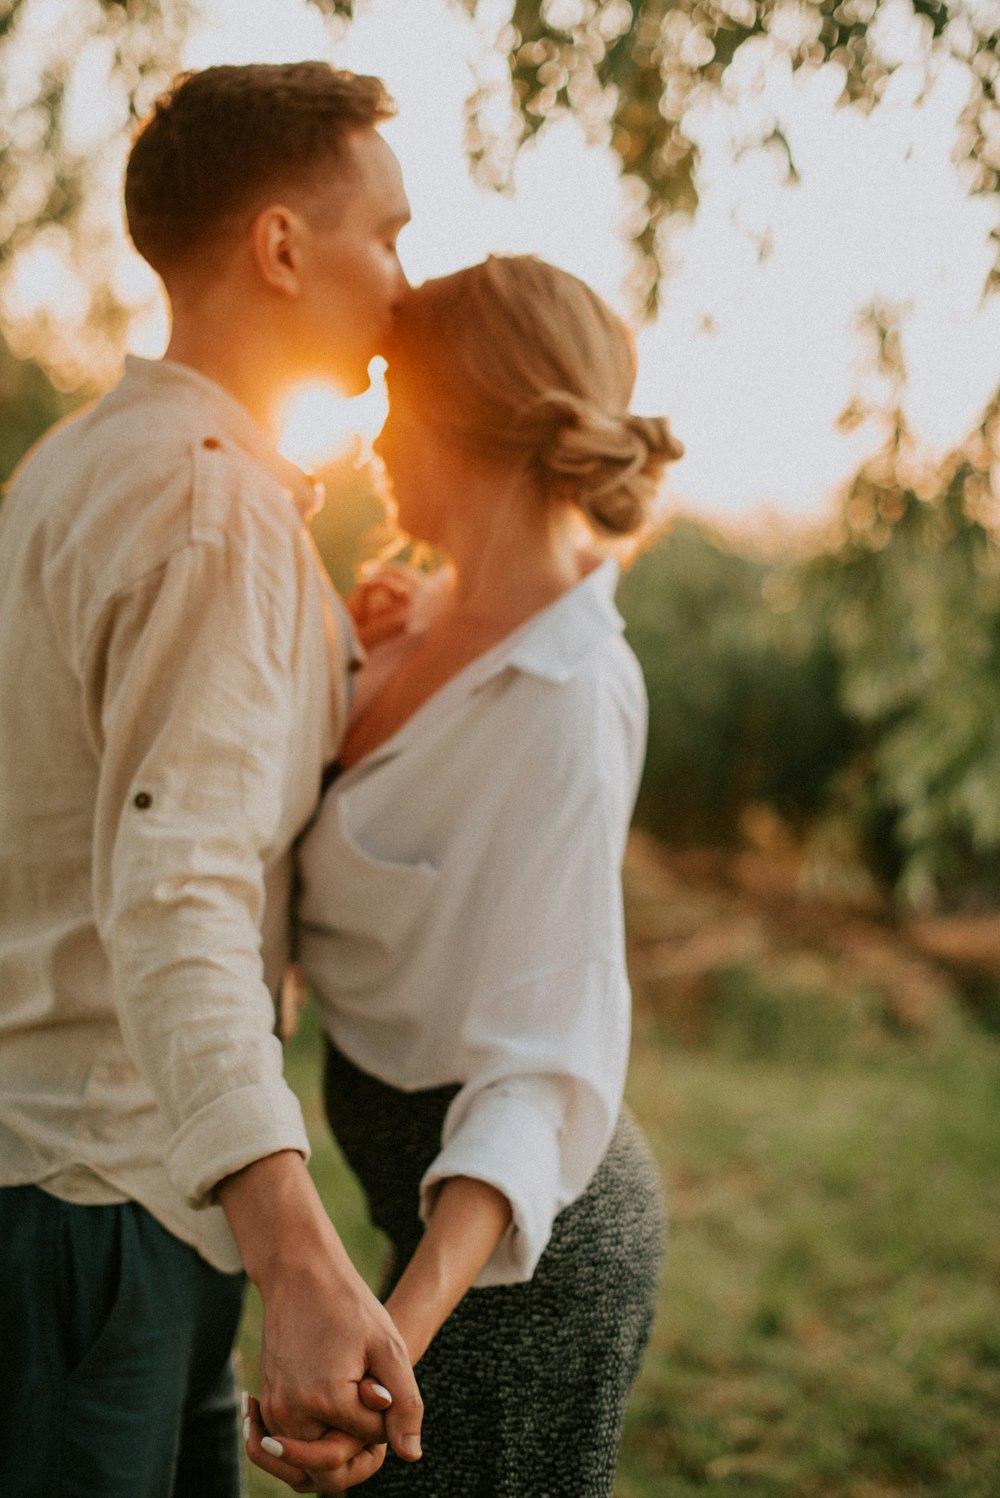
point(525, 1385)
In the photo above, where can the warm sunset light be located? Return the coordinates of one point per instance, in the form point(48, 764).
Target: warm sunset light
point(319, 425)
point(759, 346)
point(758, 336)
point(613, 728)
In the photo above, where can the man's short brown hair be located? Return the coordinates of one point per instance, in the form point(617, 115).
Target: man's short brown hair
point(220, 140)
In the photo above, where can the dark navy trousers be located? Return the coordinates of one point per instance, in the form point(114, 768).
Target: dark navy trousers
point(115, 1356)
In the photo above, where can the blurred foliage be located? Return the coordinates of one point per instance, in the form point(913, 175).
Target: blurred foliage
point(742, 686)
point(857, 691)
point(29, 404)
point(629, 70)
point(74, 78)
point(910, 603)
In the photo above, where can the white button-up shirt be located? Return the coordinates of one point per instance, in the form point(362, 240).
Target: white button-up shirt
point(171, 684)
point(461, 908)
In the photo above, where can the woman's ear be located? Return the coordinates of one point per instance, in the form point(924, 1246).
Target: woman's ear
point(275, 242)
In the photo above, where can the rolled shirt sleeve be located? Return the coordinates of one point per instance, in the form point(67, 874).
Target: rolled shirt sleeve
point(188, 676)
point(539, 1136)
point(550, 1041)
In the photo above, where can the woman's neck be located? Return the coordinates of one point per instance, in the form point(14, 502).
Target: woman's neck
point(520, 560)
point(505, 572)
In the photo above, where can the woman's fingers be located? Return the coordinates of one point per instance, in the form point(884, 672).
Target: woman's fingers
point(373, 1395)
point(253, 1436)
point(331, 1464)
point(382, 626)
point(391, 1369)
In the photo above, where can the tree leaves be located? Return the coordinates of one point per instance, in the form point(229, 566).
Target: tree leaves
point(629, 70)
point(632, 69)
point(911, 600)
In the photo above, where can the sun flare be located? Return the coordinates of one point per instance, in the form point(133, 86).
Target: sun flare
point(319, 425)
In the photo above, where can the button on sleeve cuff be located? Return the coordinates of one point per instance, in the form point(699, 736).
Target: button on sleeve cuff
point(231, 1132)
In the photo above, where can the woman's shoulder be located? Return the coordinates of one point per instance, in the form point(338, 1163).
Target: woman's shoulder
point(578, 729)
point(605, 675)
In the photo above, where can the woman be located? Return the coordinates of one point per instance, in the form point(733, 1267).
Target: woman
point(461, 908)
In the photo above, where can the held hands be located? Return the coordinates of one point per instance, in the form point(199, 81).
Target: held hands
point(332, 1463)
point(325, 1336)
point(331, 1422)
point(336, 1372)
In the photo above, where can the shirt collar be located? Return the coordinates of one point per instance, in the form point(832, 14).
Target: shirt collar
point(219, 416)
point(550, 645)
point(556, 641)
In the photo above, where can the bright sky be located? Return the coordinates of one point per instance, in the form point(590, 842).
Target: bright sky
point(753, 359)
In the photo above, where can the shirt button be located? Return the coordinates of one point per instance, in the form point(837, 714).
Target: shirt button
point(212, 444)
point(142, 799)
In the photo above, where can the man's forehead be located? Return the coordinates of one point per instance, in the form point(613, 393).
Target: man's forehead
point(375, 170)
point(363, 179)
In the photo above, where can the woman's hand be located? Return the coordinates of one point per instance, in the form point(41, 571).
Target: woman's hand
point(380, 604)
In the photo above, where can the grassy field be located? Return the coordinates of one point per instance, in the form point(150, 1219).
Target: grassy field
point(829, 1322)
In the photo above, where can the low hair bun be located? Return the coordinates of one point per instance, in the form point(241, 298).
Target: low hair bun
point(659, 439)
point(607, 463)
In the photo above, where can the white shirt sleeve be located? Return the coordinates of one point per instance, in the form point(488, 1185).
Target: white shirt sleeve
point(550, 1029)
point(188, 677)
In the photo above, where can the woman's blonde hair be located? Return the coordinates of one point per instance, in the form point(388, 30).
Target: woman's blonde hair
point(515, 360)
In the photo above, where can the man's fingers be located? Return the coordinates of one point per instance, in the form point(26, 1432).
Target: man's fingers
point(334, 1478)
point(361, 1467)
point(378, 627)
point(345, 1413)
point(331, 1449)
point(358, 1469)
point(325, 1454)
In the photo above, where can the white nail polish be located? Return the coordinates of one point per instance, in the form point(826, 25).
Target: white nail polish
point(244, 1404)
point(246, 1427)
point(272, 1447)
point(381, 1390)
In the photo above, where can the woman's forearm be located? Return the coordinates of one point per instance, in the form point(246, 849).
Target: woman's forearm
point(467, 1222)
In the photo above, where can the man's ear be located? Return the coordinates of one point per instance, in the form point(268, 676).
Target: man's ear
point(275, 241)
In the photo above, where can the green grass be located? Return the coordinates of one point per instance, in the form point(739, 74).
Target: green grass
point(830, 1313)
point(829, 1321)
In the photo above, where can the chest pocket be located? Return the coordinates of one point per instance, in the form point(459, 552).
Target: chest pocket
point(360, 910)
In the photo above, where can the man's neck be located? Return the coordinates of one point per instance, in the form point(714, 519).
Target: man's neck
point(246, 373)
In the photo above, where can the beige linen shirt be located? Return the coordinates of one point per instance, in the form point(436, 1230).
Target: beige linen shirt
point(172, 681)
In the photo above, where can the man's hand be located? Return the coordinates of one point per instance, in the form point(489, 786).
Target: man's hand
point(324, 1330)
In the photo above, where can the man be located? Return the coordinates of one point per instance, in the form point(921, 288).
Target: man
point(172, 683)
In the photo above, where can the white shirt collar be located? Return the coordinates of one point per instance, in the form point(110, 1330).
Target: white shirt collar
point(553, 644)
